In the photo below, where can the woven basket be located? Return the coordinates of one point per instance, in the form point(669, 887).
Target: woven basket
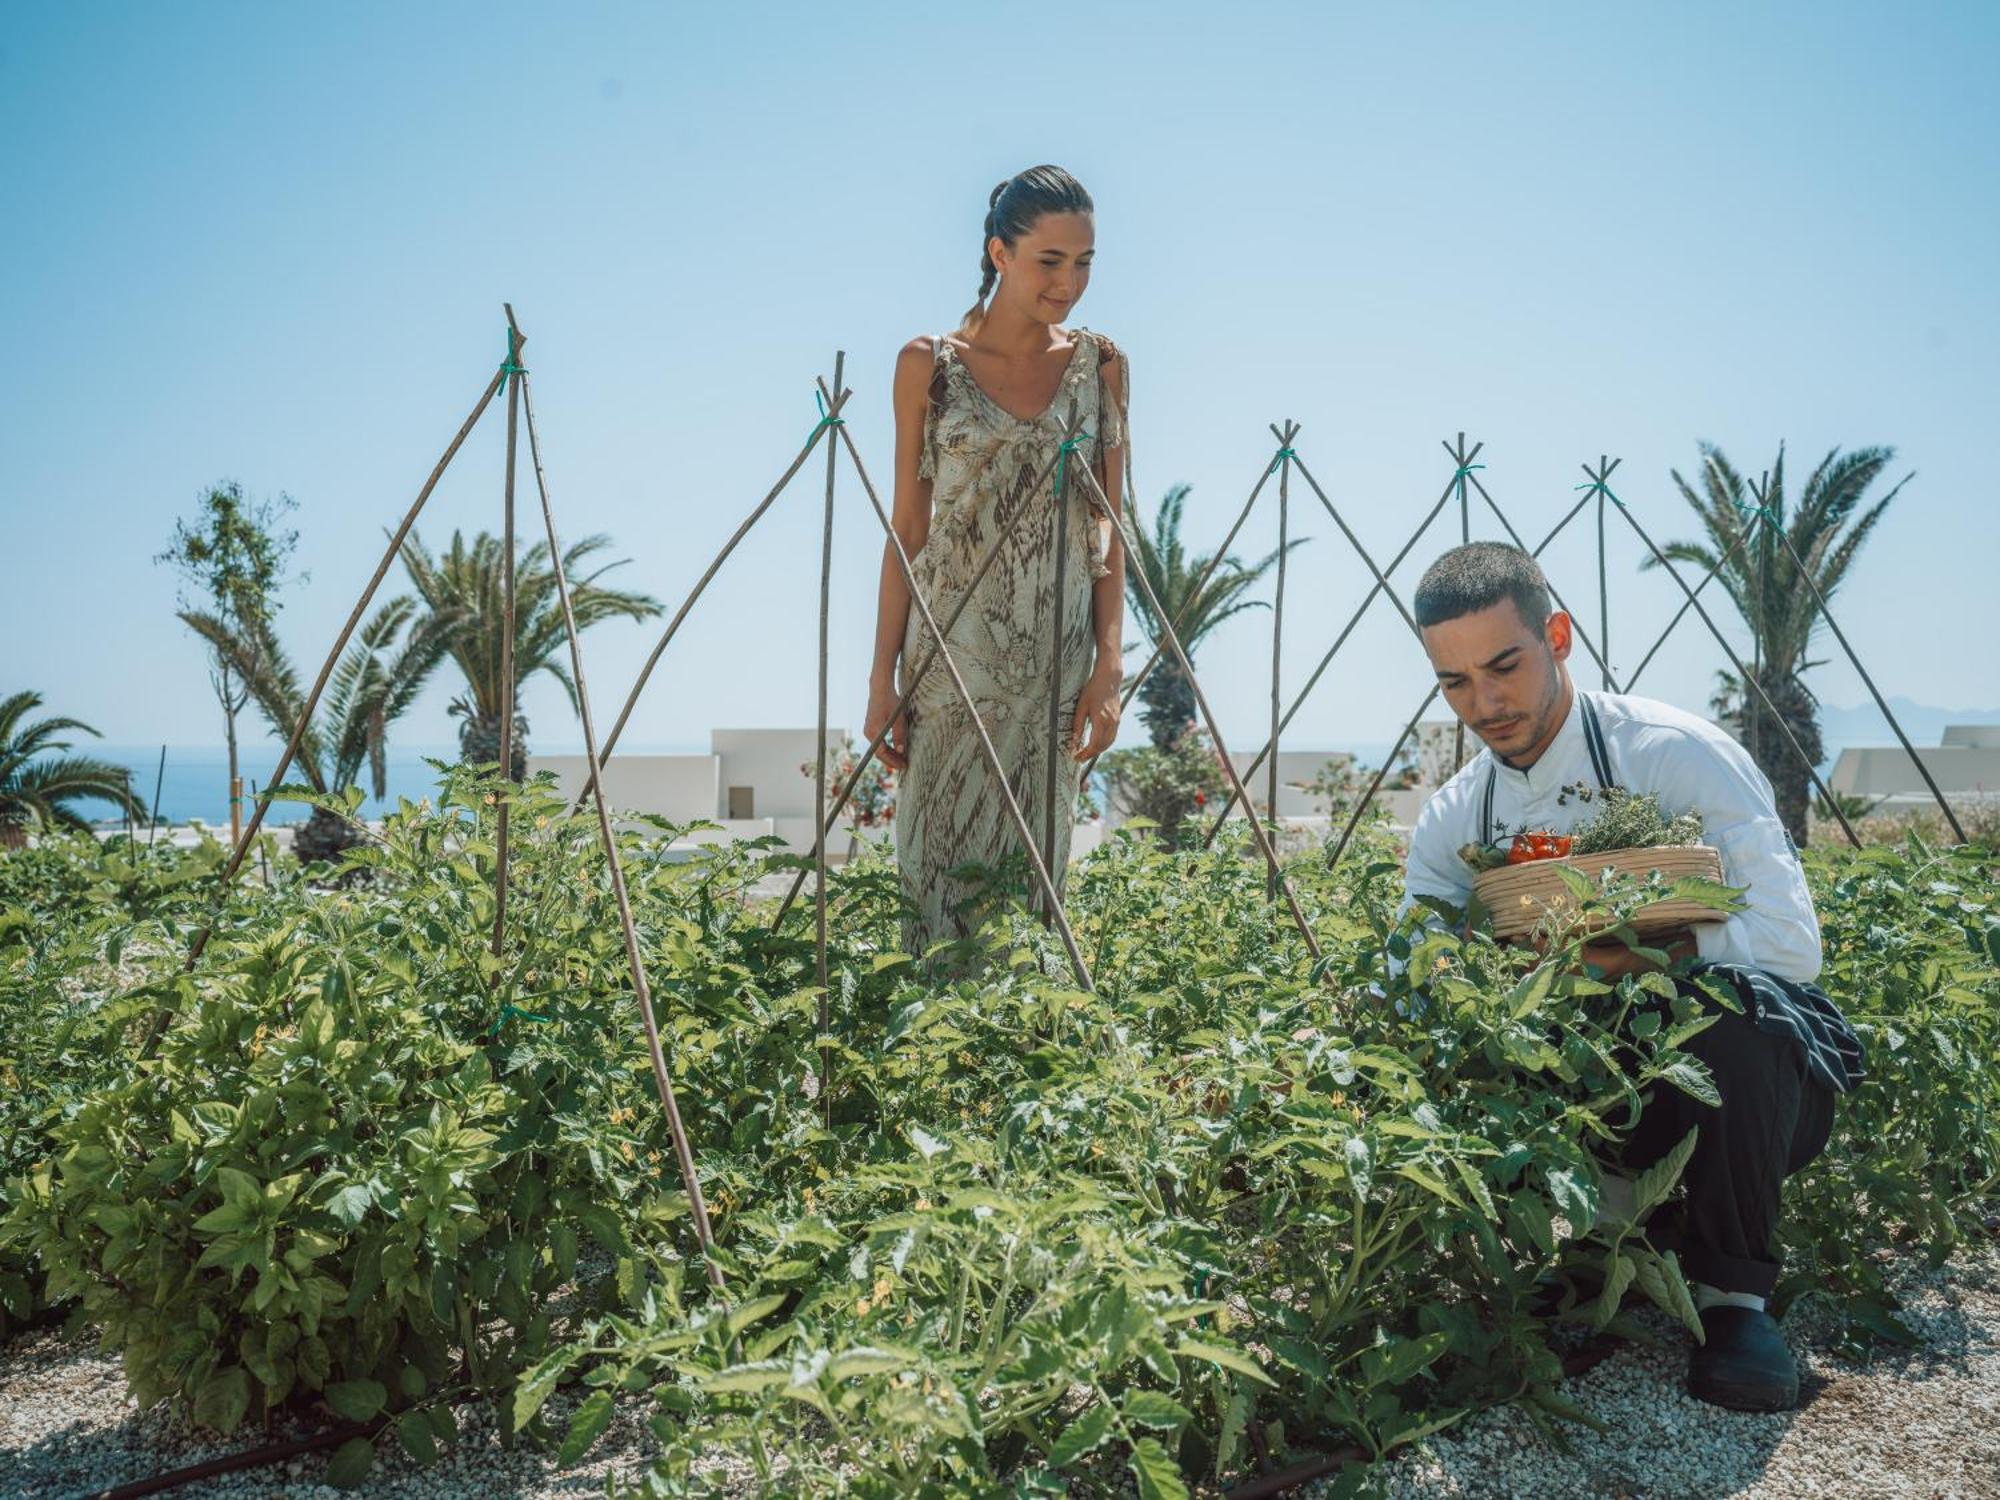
point(1520, 896)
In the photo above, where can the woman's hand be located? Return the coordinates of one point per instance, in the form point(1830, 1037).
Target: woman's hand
point(895, 750)
point(1097, 712)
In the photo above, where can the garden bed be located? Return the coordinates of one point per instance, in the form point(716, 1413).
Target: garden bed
point(1228, 1206)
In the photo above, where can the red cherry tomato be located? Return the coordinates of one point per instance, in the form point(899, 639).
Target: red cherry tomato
point(1532, 846)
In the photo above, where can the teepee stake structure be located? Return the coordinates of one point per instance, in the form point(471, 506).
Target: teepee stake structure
point(1463, 457)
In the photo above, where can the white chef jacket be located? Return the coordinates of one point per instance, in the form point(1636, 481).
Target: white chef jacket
point(1650, 746)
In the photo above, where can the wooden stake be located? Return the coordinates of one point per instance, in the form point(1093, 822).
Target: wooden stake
point(819, 775)
point(514, 342)
point(656, 1054)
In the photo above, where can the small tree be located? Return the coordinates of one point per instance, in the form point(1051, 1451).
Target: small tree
point(232, 556)
point(467, 585)
point(1167, 698)
point(36, 794)
point(1826, 530)
point(1169, 784)
point(381, 673)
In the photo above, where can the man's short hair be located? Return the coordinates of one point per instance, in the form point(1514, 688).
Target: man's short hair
point(1477, 576)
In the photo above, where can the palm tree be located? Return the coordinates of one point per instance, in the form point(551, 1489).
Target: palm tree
point(385, 667)
point(467, 583)
point(1774, 598)
point(1168, 699)
point(35, 795)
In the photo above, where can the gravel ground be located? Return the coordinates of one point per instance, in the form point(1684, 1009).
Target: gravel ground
point(1923, 1422)
point(67, 1428)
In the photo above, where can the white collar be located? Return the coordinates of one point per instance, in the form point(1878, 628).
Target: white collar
point(1556, 765)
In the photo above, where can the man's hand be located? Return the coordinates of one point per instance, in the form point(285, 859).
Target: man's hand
point(1613, 960)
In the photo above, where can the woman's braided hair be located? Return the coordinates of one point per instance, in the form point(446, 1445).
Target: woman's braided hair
point(1012, 211)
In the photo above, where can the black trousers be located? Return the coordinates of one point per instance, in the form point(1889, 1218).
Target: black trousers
point(1773, 1120)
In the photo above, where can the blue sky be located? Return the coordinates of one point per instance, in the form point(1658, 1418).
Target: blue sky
point(271, 244)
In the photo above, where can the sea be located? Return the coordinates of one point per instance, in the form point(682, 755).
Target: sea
point(193, 780)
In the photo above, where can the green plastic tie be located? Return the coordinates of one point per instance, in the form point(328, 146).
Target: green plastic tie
point(825, 420)
point(511, 1009)
point(1279, 457)
point(1598, 484)
point(507, 365)
point(1463, 470)
point(1069, 446)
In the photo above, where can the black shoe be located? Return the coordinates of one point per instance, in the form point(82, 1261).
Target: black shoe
point(1743, 1362)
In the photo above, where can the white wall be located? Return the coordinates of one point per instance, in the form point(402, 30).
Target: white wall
point(769, 761)
point(1887, 772)
point(1977, 736)
point(680, 787)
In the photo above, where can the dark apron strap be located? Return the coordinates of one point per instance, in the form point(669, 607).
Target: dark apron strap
point(1600, 748)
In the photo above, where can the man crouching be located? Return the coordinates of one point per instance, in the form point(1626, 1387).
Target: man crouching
point(1501, 657)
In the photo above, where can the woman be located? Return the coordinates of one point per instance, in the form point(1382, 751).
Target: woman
point(980, 417)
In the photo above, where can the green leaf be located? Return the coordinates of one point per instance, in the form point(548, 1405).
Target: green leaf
point(350, 1463)
point(757, 1375)
point(1531, 991)
point(1617, 1279)
point(1082, 1435)
point(1691, 1076)
point(1709, 893)
point(536, 1385)
point(1424, 1178)
point(927, 1143)
point(1360, 1163)
point(586, 1427)
point(1158, 1476)
point(1575, 881)
point(1397, 1361)
point(1225, 1356)
point(351, 1204)
point(223, 1399)
point(1658, 1180)
point(868, 1361)
point(742, 1317)
point(1155, 1409)
point(357, 1400)
point(413, 1430)
point(1528, 1215)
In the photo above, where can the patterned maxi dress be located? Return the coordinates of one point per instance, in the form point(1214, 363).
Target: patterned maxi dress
point(983, 462)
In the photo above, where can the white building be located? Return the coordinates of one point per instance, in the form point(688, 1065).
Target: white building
point(750, 783)
point(1966, 768)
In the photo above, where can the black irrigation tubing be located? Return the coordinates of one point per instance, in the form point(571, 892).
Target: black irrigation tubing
point(1581, 1362)
point(248, 1458)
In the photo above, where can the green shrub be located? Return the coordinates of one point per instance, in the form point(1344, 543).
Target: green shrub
point(1029, 1237)
point(369, 1153)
